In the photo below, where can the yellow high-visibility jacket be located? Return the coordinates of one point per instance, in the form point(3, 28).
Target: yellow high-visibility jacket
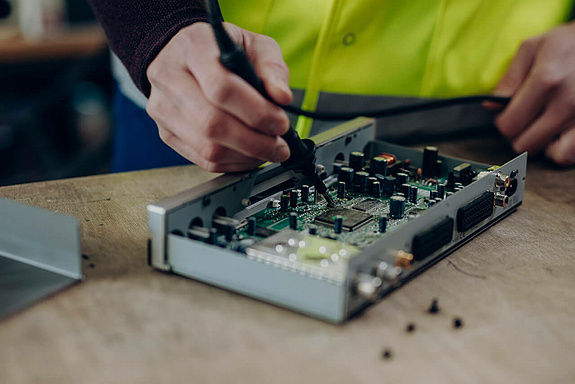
point(414, 48)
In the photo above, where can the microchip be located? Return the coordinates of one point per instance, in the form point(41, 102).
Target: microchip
point(366, 205)
point(352, 219)
point(265, 232)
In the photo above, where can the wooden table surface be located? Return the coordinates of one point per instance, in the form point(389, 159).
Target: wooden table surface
point(513, 286)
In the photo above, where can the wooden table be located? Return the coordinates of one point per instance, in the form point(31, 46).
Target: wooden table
point(513, 286)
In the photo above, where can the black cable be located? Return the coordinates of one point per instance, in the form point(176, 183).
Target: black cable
point(428, 105)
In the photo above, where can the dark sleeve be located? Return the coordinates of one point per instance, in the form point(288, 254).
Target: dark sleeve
point(137, 30)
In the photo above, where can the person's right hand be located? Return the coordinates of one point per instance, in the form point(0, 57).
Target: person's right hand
point(211, 116)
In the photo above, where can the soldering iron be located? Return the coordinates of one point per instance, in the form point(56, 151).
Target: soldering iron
point(302, 152)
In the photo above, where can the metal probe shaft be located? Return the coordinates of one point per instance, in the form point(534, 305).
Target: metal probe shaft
point(234, 58)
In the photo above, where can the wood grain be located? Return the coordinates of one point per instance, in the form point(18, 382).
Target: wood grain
point(513, 286)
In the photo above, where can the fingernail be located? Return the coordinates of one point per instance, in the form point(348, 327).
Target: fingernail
point(281, 153)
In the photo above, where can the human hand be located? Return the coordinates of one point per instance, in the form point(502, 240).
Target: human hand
point(541, 81)
point(211, 116)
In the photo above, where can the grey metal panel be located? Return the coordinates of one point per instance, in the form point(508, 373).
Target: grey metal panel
point(22, 284)
point(269, 283)
point(37, 237)
point(39, 254)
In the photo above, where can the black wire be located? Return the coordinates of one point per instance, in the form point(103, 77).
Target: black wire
point(434, 104)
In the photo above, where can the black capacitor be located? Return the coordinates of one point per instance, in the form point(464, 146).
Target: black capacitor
point(252, 223)
point(450, 181)
point(413, 194)
point(396, 206)
point(360, 184)
point(376, 189)
point(304, 193)
point(429, 161)
point(447, 194)
point(229, 231)
point(438, 200)
point(382, 224)
point(293, 220)
point(405, 189)
point(401, 178)
point(356, 161)
point(341, 190)
point(213, 236)
point(284, 203)
point(370, 181)
point(312, 229)
point(438, 167)
point(430, 203)
point(459, 185)
point(293, 197)
point(388, 185)
point(346, 175)
point(441, 190)
point(379, 166)
point(432, 194)
point(337, 224)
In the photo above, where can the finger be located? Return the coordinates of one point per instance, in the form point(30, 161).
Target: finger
point(234, 162)
point(527, 103)
point(196, 118)
point(270, 66)
point(516, 73)
point(562, 151)
point(229, 92)
point(218, 126)
point(542, 132)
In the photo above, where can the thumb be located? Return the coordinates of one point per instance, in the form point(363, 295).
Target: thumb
point(266, 56)
point(516, 73)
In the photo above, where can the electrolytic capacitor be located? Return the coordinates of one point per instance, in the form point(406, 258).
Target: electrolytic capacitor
point(356, 161)
point(388, 185)
point(441, 190)
point(459, 185)
point(360, 184)
point(304, 193)
point(341, 190)
point(382, 224)
point(370, 181)
point(447, 194)
point(430, 203)
point(312, 229)
point(413, 194)
point(450, 181)
point(429, 165)
point(338, 224)
point(432, 194)
point(376, 189)
point(293, 220)
point(396, 207)
point(213, 236)
point(284, 203)
point(293, 197)
point(229, 231)
point(346, 175)
point(438, 200)
point(438, 167)
point(252, 223)
point(405, 189)
point(401, 178)
point(379, 166)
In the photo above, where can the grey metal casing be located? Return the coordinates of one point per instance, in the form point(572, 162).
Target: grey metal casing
point(279, 283)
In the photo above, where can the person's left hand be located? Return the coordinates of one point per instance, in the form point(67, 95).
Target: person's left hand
point(541, 82)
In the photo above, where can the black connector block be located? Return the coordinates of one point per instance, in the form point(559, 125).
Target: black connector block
point(431, 239)
point(475, 211)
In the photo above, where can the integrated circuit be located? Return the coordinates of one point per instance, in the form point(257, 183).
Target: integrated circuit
point(352, 219)
point(367, 204)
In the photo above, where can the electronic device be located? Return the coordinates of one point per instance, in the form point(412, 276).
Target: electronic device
point(267, 233)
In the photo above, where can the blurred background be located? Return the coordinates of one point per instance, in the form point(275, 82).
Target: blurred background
point(55, 91)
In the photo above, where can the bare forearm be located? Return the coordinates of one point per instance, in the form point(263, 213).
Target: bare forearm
point(138, 30)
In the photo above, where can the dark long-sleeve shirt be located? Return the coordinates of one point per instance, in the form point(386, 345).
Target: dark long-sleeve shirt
point(137, 30)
